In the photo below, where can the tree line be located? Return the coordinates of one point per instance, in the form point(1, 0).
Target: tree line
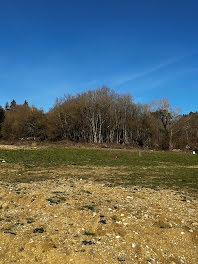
point(102, 116)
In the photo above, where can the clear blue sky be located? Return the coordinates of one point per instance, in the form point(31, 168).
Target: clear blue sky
point(148, 48)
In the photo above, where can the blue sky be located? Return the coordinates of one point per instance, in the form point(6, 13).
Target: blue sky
point(148, 48)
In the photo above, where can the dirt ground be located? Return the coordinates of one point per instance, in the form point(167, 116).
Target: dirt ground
point(81, 221)
point(16, 147)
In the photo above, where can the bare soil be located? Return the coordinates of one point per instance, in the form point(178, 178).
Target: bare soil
point(82, 221)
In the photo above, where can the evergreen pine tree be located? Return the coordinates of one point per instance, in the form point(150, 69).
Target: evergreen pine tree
point(13, 105)
point(25, 103)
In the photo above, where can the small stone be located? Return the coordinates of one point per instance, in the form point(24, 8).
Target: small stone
point(39, 230)
point(85, 242)
point(133, 245)
point(103, 222)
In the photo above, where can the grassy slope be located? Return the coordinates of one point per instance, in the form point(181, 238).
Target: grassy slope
point(152, 169)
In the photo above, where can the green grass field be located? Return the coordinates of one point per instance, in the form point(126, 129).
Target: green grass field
point(146, 168)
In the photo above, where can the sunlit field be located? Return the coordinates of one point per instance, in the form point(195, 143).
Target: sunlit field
point(178, 171)
point(83, 205)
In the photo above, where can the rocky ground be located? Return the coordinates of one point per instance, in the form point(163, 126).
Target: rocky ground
point(81, 221)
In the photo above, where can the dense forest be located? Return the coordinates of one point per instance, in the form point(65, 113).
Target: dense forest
point(102, 116)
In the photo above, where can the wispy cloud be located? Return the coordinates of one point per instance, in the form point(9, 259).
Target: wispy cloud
point(130, 77)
